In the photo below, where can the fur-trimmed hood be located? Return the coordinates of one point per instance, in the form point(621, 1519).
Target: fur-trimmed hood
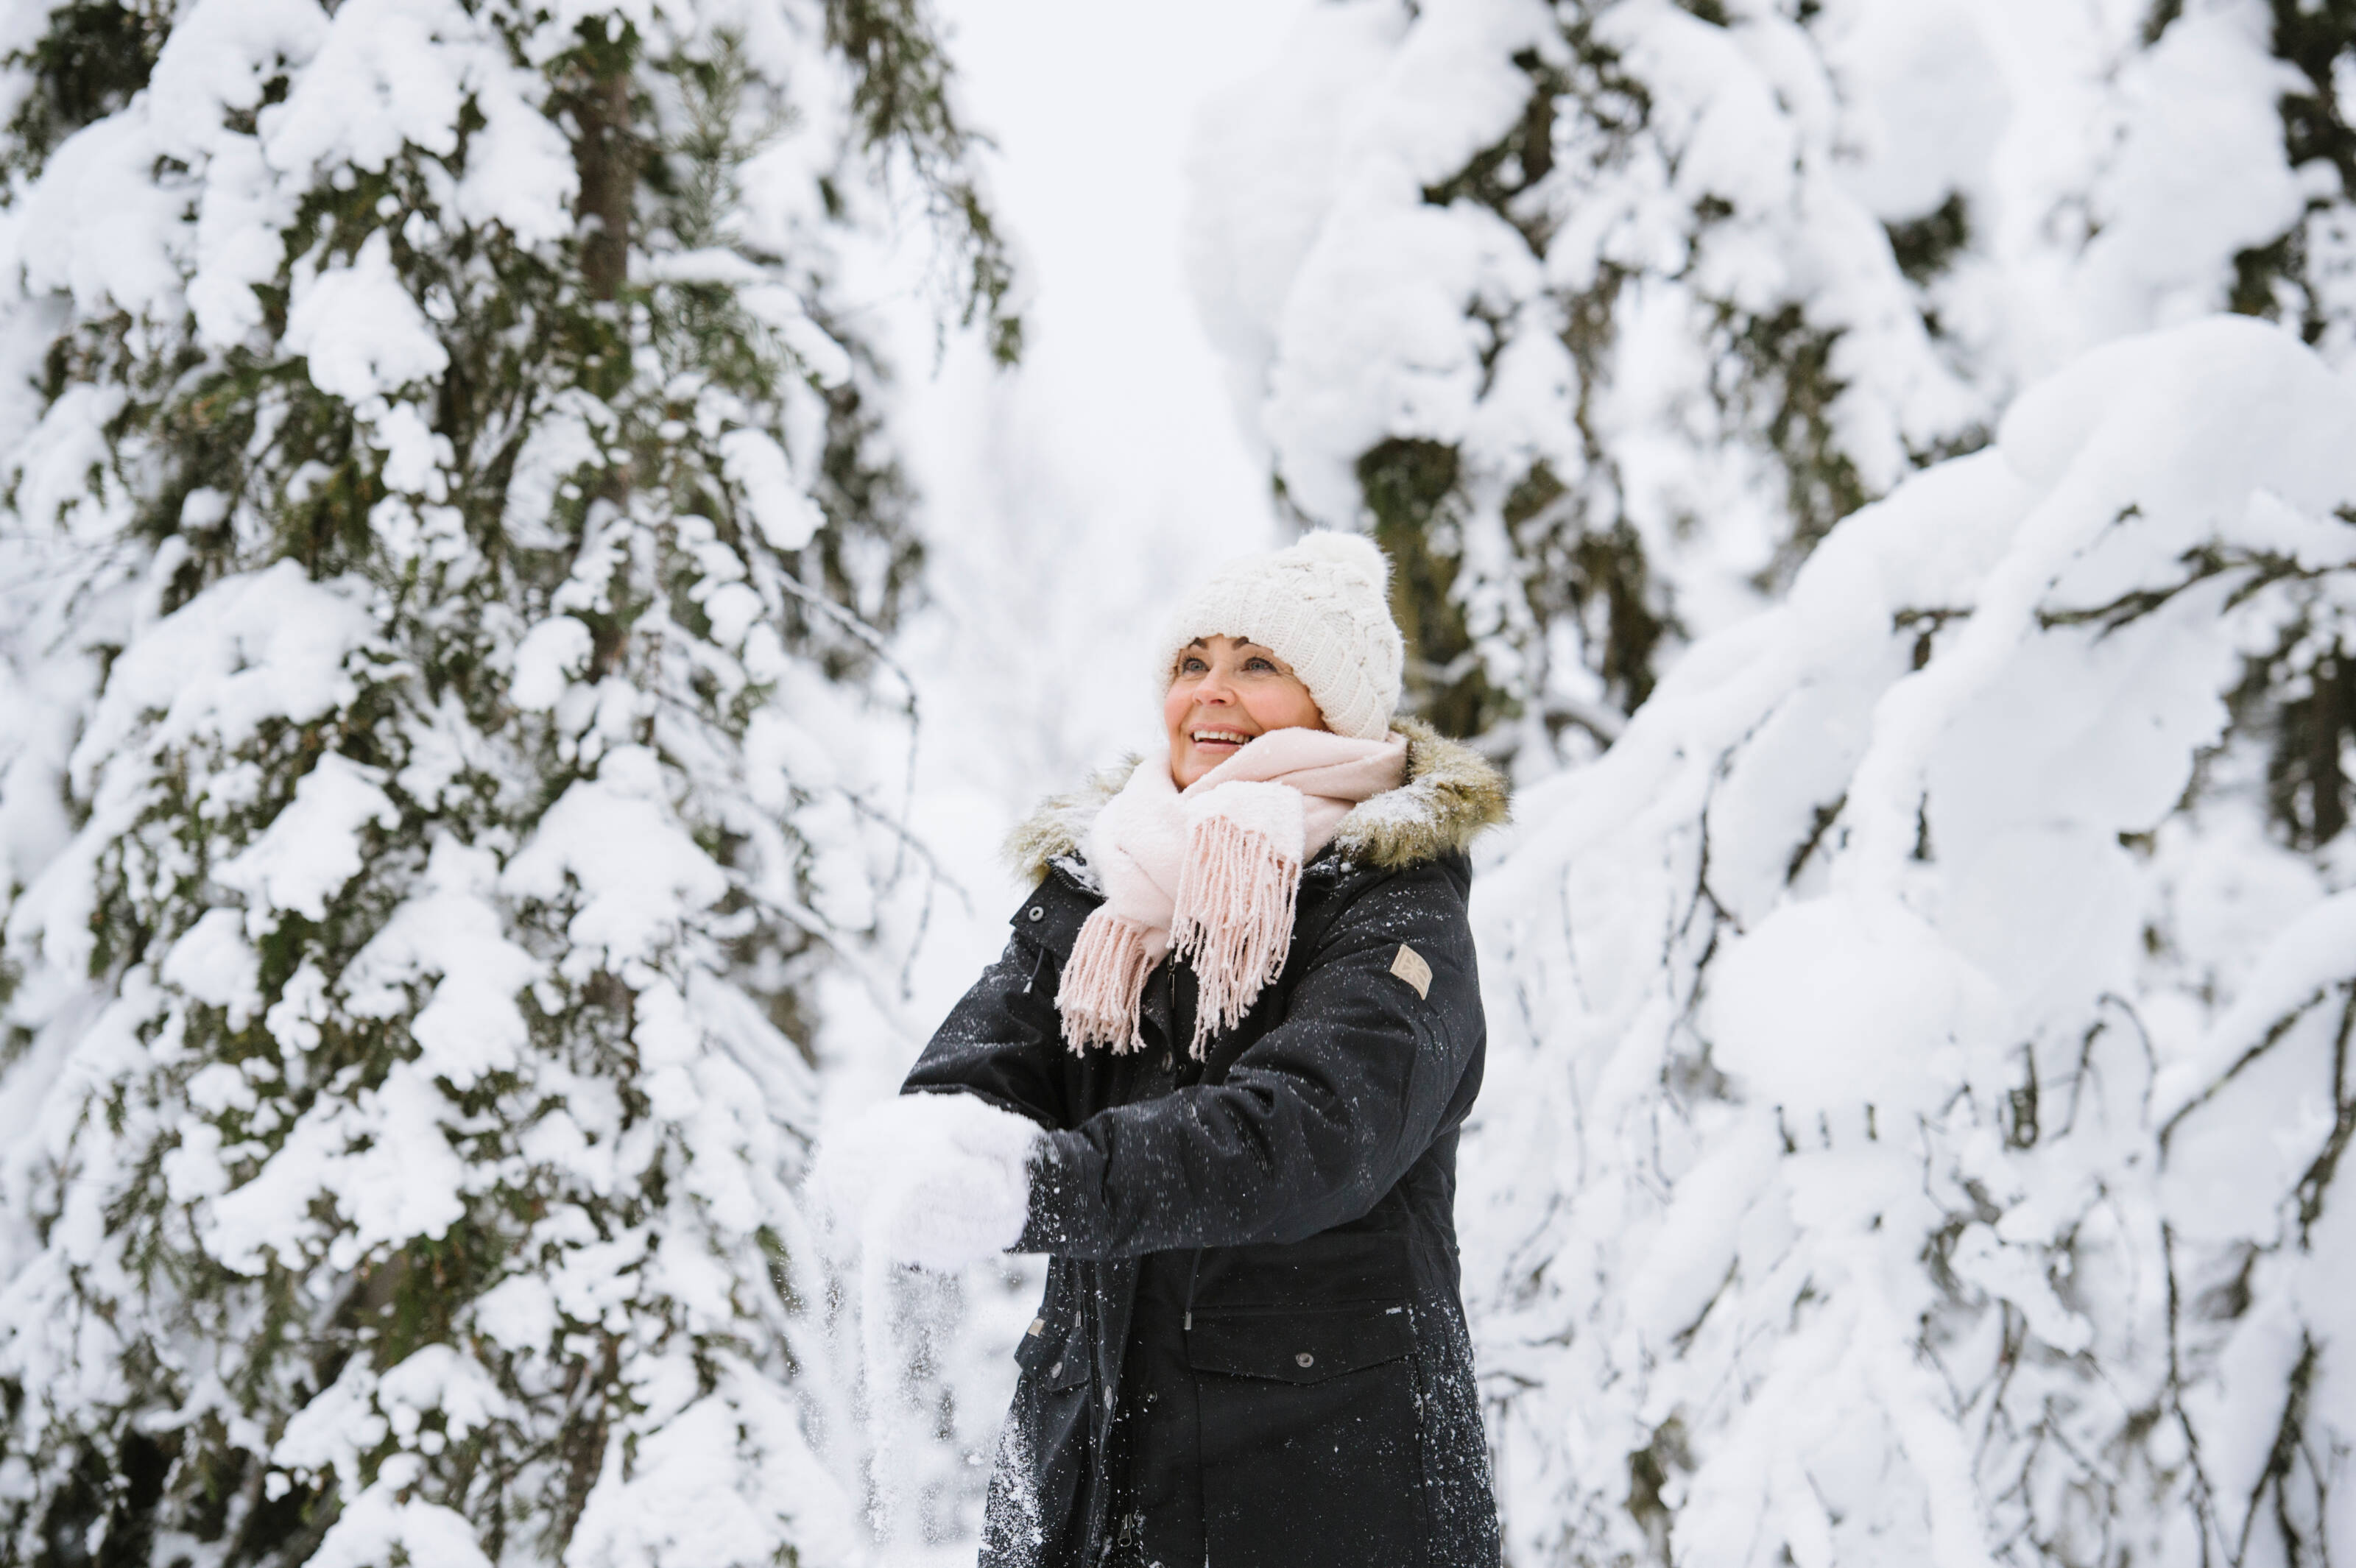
point(1452, 792)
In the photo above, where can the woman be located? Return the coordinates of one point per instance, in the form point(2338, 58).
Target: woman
point(1217, 1076)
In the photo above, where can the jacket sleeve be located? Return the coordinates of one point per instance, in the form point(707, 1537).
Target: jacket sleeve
point(1312, 1125)
point(1005, 1040)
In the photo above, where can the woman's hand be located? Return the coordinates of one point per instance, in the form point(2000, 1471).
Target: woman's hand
point(938, 1180)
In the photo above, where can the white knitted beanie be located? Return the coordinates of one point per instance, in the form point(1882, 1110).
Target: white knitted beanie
point(1322, 606)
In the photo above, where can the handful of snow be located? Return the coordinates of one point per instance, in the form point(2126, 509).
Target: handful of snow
point(937, 1180)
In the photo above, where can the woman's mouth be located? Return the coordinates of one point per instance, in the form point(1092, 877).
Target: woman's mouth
point(1219, 740)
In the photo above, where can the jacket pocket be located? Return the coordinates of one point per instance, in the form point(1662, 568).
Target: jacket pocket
point(1301, 1347)
point(1311, 1437)
point(1054, 1358)
point(1043, 1448)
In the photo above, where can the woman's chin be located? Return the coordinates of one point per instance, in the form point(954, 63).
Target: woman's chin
point(1201, 758)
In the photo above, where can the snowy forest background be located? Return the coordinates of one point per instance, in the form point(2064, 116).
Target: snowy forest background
point(545, 544)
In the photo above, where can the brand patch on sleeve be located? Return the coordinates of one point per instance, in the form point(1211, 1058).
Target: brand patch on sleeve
point(1409, 966)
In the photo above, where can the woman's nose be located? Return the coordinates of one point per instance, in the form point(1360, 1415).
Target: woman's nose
point(1214, 687)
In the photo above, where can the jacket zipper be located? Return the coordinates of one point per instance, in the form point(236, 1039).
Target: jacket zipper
point(1195, 1269)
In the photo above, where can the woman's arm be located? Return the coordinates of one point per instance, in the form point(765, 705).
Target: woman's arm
point(1003, 1040)
point(1315, 1122)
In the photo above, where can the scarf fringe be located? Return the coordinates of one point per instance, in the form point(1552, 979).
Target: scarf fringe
point(1233, 922)
point(1104, 983)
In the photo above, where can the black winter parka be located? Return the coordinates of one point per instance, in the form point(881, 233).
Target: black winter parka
point(1251, 1352)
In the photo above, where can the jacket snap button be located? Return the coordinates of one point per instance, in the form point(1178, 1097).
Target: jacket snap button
point(1107, 1399)
point(1304, 1360)
point(1037, 913)
point(1056, 1371)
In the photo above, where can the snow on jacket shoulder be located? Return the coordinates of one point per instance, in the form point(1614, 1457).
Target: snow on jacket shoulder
point(1252, 1340)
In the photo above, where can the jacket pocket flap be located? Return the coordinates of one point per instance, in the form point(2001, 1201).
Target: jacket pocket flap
point(1053, 1355)
point(1299, 1347)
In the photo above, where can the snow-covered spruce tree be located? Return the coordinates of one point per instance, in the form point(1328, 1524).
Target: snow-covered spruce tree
point(1587, 322)
point(1920, 1068)
point(448, 529)
point(1599, 313)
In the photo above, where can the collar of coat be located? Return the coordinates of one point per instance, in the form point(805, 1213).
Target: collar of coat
point(1452, 792)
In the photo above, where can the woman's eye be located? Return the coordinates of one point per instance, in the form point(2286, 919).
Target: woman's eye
point(1260, 664)
point(1192, 667)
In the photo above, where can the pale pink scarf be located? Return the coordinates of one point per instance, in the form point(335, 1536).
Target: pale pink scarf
point(1213, 872)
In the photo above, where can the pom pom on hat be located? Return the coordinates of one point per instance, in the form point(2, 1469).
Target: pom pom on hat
point(1322, 606)
point(1352, 556)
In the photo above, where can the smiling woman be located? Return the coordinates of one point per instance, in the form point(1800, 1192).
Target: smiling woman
point(1218, 1077)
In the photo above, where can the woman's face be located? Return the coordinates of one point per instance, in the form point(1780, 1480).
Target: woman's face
point(1226, 692)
